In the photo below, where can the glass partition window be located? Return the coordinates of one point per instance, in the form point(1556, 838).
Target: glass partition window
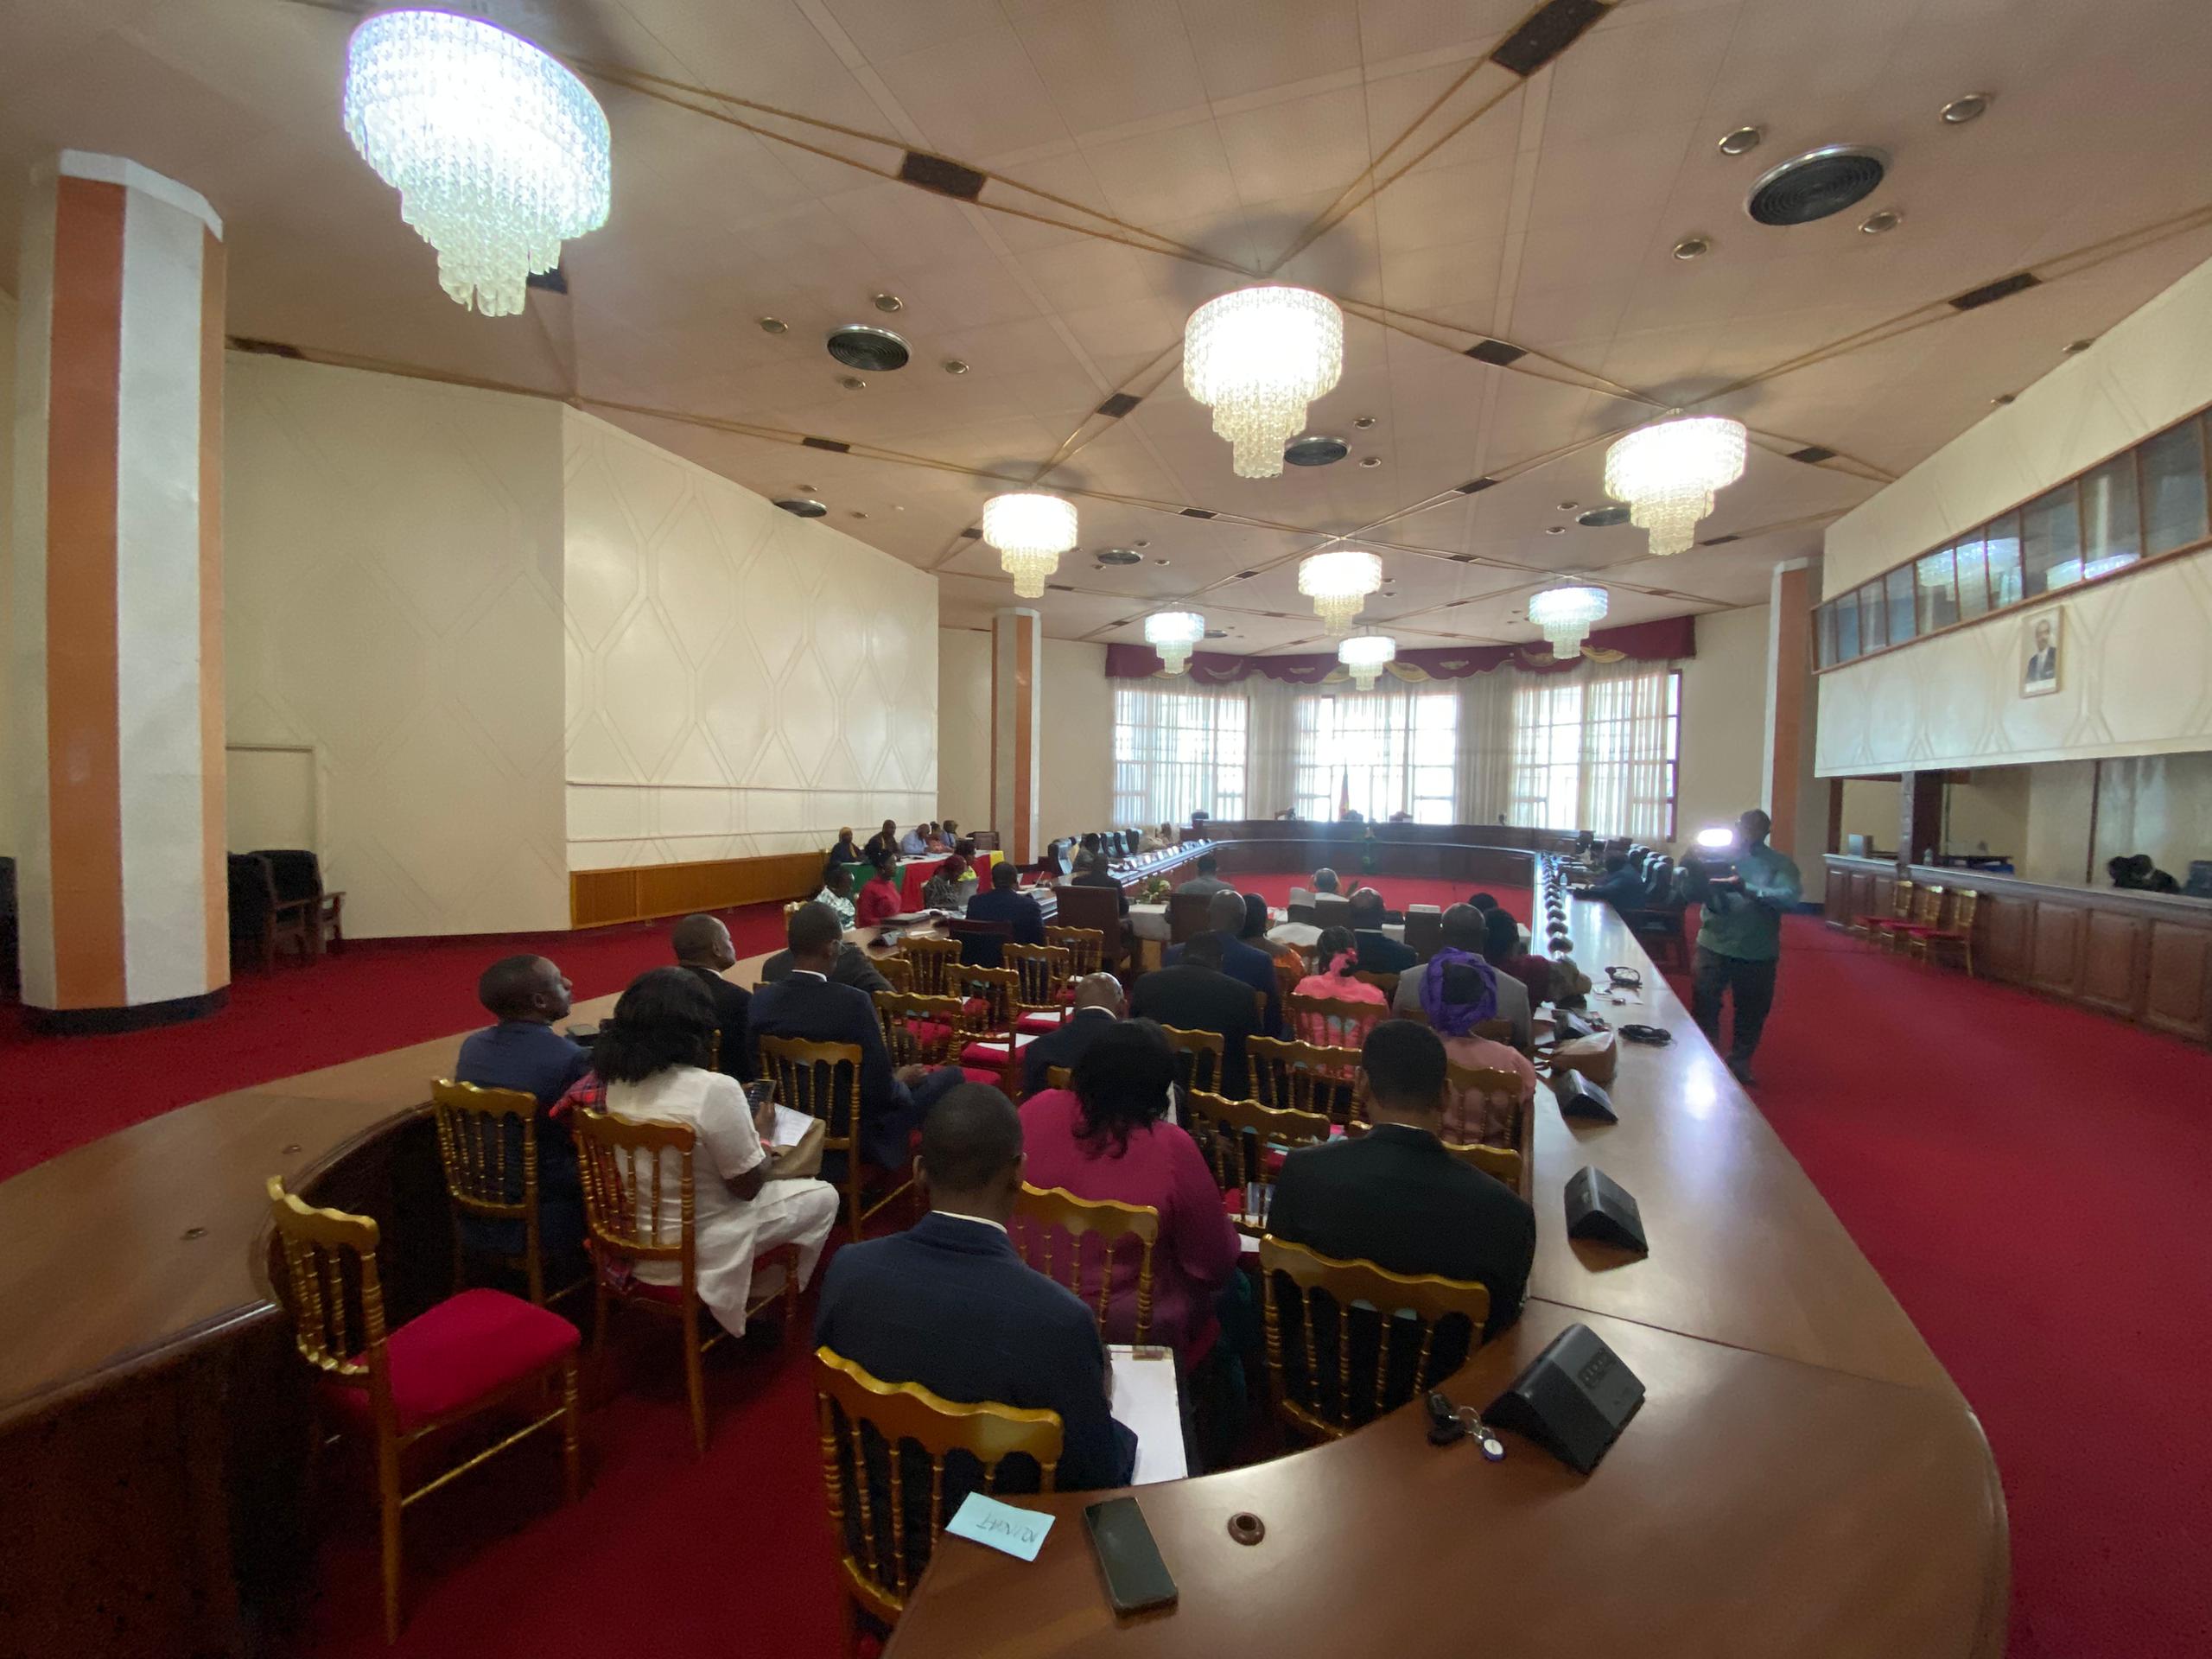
point(2002, 542)
point(2051, 541)
point(1898, 583)
point(1846, 628)
point(2111, 527)
point(1973, 577)
point(2173, 488)
point(1873, 629)
point(1938, 591)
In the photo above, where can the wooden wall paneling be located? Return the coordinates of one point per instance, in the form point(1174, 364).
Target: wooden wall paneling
point(598, 897)
point(2003, 951)
point(2178, 981)
point(2113, 961)
point(2054, 960)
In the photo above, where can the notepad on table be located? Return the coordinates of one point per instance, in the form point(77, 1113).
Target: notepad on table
point(790, 1127)
point(1145, 1402)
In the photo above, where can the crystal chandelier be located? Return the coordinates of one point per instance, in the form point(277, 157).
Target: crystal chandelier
point(1667, 472)
point(1173, 634)
point(497, 152)
point(1565, 614)
point(1030, 533)
point(1338, 584)
point(1257, 358)
point(1366, 656)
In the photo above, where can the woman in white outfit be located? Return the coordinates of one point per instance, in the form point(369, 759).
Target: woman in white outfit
point(652, 1057)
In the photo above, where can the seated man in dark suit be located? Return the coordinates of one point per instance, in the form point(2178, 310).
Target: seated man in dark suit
point(1099, 873)
point(524, 1053)
point(1097, 1004)
point(1395, 1197)
point(883, 843)
point(1622, 887)
point(1194, 995)
point(805, 1005)
point(1240, 961)
point(1208, 879)
point(853, 968)
point(950, 1305)
point(702, 948)
point(1003, 904)
point(1378, 952)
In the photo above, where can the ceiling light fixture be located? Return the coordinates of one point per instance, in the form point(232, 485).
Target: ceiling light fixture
point(953, 366)
point(497, 152)
point(1172, 634)
point(852, 382)
point(1566, 613)
point(1881, 223)
point(1338, 583)
point(1667, 472)
point(1371, 460)
point(774, 326)
point(1570, 506)
point(1555, 529)
point(1257, 357)
point(1742, 142)
point(889, 302)
point(1030, 533)
point(1693, 247)
point(2075, 347)
point(1367, 656)
point(1971, 107)
point(1362, 421)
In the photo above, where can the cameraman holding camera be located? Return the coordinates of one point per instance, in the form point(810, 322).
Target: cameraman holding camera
point(1739, 940)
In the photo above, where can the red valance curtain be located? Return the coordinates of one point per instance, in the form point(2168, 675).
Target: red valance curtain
point(1665, 641)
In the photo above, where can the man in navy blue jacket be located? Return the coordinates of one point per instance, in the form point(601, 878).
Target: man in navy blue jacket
point(1245, 962)
point(950, 1305)
point(1622, 887)
point(1003, 904)
point(524, 1053)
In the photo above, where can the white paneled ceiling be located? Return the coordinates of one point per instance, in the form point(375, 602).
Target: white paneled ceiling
point(1145, 154)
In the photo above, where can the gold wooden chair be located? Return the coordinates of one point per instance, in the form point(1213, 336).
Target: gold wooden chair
point(898, 970)
point(1503, 1118)
point(401, 1386)
point(1333, 1022)
point(823, 1081)
point(918, 1030)
point(1235, 1135)
point(1927, 917)
point(1086, 948)
point(625, 1177)
point(992, 997)
point(1504, 1163)
point(875, 1543)
point(1874, 927)
point(1305, 1402)
point(1043, 1214)
point(1041, 974)
point(1957, 936)
point(487, 1143)
point(1198, 1058)
point(1303, 1077)
point(934, 960)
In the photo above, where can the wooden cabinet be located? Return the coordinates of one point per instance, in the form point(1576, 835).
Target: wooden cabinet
point(2054, 960)
point(2177, 994)
point(2112, 962)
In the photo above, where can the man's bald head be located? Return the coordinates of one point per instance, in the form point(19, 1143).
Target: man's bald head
point(1225, 912)
point(1100, 991)
point(703, 940)
point(1367, 908)
point(1463, 928)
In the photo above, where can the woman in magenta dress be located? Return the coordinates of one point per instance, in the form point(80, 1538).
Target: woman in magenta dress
point(880, 899)
point(1109, 1137)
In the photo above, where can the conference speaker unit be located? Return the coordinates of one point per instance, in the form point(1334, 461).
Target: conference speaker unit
point(1580, 1098)
point(1572, 1399)
point(1598, 1207)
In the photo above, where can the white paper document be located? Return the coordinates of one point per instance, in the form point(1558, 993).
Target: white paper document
point(1145, 1402)
point(790, 1127)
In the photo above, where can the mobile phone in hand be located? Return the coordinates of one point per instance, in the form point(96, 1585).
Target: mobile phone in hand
point(1136, 1578)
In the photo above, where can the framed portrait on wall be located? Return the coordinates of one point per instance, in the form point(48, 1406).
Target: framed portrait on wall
point(2042, 651)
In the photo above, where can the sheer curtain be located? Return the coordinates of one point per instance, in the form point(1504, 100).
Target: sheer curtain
point(1596, 749)
point(1394, 749)
point(1178, 749)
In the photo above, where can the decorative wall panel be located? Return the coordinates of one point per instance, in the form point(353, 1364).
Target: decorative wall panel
point(739, 681)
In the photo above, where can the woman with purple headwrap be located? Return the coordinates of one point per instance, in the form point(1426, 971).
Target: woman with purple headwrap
point(1459, 991)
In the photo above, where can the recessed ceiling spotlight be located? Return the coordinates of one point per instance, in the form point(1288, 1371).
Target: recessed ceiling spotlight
point(1877, 224)
point(857, 513)
point(1742, 142)
point(1817, 184)
point(1160, 560)
point(852, 382)
point(953, 366)
point(1570, 506)
point(1371, 460)
point(1693, 247)
point(1972, 107)
point(1140, 543)
point(1216, 633)
point(2073, 348)
point(1362, 421)
point(774, 325)
point(889, 302)
point(2002, 398)
point(806, 489)
point(804, 508)
point(1555, 529)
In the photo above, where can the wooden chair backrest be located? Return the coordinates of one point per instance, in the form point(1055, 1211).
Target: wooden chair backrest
point(1198, 1056)
point(487, 1145)
point(820, 1079)
point(331, 1289)
point(847, 1397)
point(999, 989)
point(1385, 983)
point(1499, 1090)
point(898, 971)
point(918, 1030)
point(1040, 974)
point(1302, 1077)
point(1235, 1133)
point(1928, 905)
point(1497, 1031)
point(1086, 948)
point(977, 939)
point(1901, 900)
point(1429, 1299)
point(1187, 915)
point(1964, 902)
point(1089, 910)
point(934, 960)
point(627, 1172)
point(1503, 1163)
point(1043, 1214)
point(1333, 1022)
point(1288, 974)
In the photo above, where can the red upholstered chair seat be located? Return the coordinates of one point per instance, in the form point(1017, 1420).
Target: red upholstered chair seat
point(991, 1055)
point(466, 1349)
point(1040, 1024)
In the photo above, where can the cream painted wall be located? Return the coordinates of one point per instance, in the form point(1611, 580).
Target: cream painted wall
point(1723, 717)
point(1077, 758)
point(1870, 809)
point(1987, 811)
point(2136, 676)
point(739, 681)
point(963, 714)
point(2060, 798)
point(2159, 805)
point(392, 570)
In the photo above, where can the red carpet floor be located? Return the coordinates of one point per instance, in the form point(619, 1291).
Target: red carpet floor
point(2023, 1175)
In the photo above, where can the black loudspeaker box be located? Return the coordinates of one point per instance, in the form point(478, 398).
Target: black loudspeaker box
point(1580, 1098)
point(1599, 1207)
point(1572, 1399)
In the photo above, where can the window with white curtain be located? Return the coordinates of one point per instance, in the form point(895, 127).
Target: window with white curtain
point(1597, 750)
point(1386, 751)
point(1178, 749)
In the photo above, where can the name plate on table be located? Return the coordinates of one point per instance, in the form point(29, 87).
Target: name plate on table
point(1572, 1399)
point(984, 1520)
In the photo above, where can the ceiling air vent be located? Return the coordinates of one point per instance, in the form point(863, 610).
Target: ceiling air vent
point(1120, 556)
point(804, 507)
point(876, 350)
point(1603, 517)
point(1817, 184)
point(1315, 451)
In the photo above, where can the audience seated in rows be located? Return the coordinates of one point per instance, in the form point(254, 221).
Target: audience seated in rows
point(884, 843)
point(1158, 841)
point(880, 899)
point(1108, 1136)
point(1463, 932)
point(1378, 952)
point(950, 1305)
point(652, 1057)
point(702, 948)
point(1095, 1003)
point(916, 842)
point(1395, 1197)
point(852, 968)
point(1503, 949)
point(1099, 873)
point(950, 887)
point(1457, 995)
point(1246, 963)
point(1004, 903)
point(523, 1053)
point(1207, 879)
point(1255, 933)
point(1335, 962)
point(1192, 993)
point(837, 893)
point(844, 853)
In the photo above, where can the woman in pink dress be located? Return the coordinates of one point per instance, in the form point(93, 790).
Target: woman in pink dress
point(1336, 962)
point(1459, 991)
point(880, 899)
point(1108, 1136)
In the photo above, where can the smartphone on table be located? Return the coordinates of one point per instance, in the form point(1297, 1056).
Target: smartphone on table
point(1136, 1578)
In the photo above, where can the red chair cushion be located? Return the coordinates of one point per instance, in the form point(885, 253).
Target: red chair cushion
point(465, 1350)
point(1039, 1025)
point(991, 1055)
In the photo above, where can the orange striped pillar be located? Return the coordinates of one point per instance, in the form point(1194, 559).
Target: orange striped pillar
point(118, 665)
point(1017, 703)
